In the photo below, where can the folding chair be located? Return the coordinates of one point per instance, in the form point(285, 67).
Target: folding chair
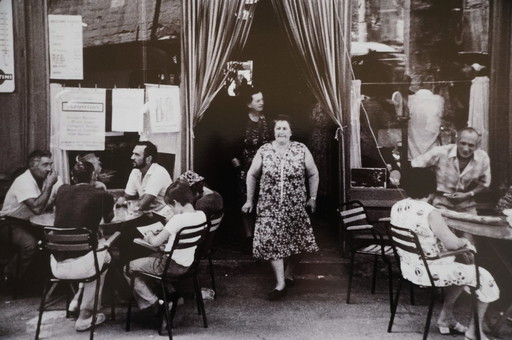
point(187, 238)
point(364, 239)
point(406, 240)
point(214, 220)
point(73, 240)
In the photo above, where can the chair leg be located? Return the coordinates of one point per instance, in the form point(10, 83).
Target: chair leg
point(475, 312)
point(212, 275)
point(374, 274)
point(130, 303)
point(390, 285)
point(41, 307)
point(350, 276)
point(429, 314)
point(411, 293)
point(95, 306)
point(167, 314)
point(200, 302)
point(17, 278)
point(395, 305)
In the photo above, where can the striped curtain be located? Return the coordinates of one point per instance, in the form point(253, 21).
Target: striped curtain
point(213, 33)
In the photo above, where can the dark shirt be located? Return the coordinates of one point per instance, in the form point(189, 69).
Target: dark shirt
point(210, 203)
point(81, 206)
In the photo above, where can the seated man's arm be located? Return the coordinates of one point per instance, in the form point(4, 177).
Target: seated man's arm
point(145, 201)
point(130, 192)
point(38, 204)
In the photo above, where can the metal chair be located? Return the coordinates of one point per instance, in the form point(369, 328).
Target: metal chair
point(214, 220)
point(405, 240)
point(364, 239)
point(73, 241)
point(187, 238)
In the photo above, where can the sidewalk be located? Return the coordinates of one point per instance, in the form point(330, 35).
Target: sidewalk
point(314, 308)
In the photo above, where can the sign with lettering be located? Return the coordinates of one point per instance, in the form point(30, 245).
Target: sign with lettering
point(81, 119)
point(6, 47)
point(66, 49)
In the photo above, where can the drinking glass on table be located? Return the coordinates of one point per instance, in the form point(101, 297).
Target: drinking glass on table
point(132, 207)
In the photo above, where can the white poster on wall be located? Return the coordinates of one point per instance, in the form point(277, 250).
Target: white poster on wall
point(66, 48)
point(127, 110)
point(164, 108)
point(81, 119)
point(6, 48)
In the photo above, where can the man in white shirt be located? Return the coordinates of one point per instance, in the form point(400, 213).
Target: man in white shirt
point(31, 193)
point(148, 180)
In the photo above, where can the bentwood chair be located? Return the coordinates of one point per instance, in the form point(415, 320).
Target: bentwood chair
point(406, 241)
point(214, 220)
point(363, 238)
point(73, 242)
point(192, 237)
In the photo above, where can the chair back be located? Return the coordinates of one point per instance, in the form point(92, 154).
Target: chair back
point(406, 242)
point(353, 214)
point(191, 237)
point(357, 230)
point(214, 221)
point(72, 242)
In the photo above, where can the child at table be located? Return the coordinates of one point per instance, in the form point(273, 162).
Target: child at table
point(180, 199)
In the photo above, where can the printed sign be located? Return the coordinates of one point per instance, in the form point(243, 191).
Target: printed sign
point(6, 48)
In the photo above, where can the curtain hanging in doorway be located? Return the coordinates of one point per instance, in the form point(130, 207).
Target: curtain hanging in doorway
point(213, 33)
point(316, 30)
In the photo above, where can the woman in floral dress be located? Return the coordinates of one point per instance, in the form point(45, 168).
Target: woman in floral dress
point(416, 214)
point(283, 228)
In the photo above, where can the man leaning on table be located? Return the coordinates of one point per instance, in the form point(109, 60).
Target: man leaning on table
point(462, 171)
point(31, 193)
point(147, 183)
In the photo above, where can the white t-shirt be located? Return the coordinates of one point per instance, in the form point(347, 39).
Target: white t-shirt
point(155, 182)
point(183, 257)
point(23, 188)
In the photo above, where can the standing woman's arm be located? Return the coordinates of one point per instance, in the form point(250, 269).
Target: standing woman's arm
point(313, 179)
point(252, 177)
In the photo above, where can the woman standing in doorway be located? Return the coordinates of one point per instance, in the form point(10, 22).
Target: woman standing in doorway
point(283, 229)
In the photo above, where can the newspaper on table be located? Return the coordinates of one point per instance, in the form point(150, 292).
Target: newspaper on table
point(152, 229)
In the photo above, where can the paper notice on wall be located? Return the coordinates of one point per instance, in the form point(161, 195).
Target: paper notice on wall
point(81, 119)
point(127, 110)
point(66, 48)
point(6, 48)
point(164, 108)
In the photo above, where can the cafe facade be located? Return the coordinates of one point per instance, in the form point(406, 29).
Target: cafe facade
point(396, 50)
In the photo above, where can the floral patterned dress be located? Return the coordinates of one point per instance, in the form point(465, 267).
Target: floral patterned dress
point(412, 214)
point(282, 226)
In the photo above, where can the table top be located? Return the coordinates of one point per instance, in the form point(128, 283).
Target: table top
point(498, 229)
point(121, 215)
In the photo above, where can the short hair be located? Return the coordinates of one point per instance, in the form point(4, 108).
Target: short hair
point(247, 94)
point(419, 182)
point(150, 150)
point(282, 118)
point(82, 172)
point(180, 192)
point(469, 129)
point(36, 155)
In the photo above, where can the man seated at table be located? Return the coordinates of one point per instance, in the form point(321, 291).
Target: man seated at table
point(31, 193)
point(77, 206)
point(148, 180)
point(147, 183)
point(462, 171)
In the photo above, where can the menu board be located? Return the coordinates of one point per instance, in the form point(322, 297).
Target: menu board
point(66, 50)
point(6, 48)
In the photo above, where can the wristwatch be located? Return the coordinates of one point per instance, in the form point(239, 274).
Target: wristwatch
point(313, 198)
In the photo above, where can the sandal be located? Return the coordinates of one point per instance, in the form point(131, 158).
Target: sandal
point(452, 329)
point(86, 324)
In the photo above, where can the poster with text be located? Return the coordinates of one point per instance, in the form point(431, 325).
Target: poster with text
point(6, 48)
point(82, 119)
point(164, 108)
point(127, 110)
point(66, 48)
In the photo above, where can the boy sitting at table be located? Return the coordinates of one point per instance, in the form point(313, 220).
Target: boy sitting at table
point(180, 198)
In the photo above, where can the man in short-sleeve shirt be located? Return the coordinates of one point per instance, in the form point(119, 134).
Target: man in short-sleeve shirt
point(148, 180)
point(462, 170)
point(31, 193)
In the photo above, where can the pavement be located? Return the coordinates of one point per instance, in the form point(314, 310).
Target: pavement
point(314, 308)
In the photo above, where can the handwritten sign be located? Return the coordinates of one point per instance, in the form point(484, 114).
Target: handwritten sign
point(66, 49)
point(81, 119)
point(6, 48)
point(164, 108)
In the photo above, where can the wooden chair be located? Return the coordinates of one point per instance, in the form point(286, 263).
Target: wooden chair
point(364, 239)
point(74, 240)
point(214, 220)
point(405, 240)
point(186, 238)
